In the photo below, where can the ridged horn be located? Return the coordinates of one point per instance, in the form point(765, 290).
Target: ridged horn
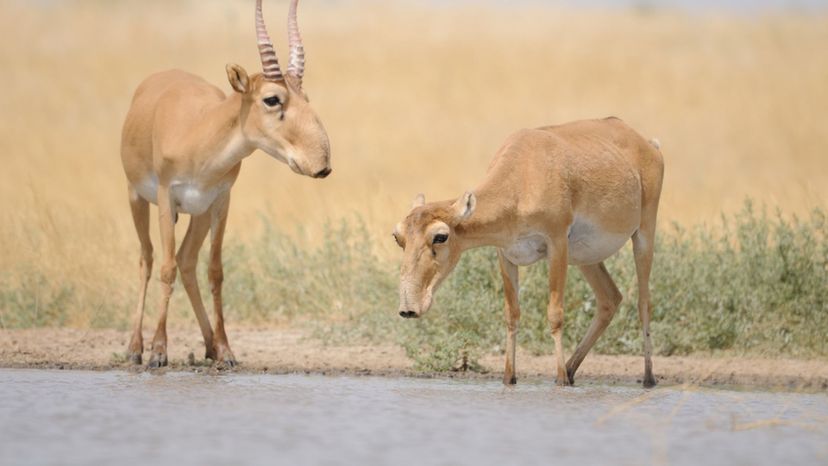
point(296, 65)
point(270, 63)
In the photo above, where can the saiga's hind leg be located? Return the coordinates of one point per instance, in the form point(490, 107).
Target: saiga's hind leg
point(607, 299)
point(140, 216)
point(643, 247)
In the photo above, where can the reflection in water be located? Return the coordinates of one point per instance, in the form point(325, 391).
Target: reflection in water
point(55, 417)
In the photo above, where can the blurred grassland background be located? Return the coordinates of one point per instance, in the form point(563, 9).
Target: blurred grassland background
point(417, 97)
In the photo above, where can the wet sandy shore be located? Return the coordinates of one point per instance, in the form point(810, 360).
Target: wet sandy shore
point(288, 350)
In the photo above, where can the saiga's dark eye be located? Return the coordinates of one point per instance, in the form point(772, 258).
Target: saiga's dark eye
point(440, 238)
point(272, 101)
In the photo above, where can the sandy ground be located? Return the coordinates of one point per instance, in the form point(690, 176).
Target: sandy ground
point(286, 350)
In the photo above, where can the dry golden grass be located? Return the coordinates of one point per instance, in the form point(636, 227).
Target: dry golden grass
point(415, 98)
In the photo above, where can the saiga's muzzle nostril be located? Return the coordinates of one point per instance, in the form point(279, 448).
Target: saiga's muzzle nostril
point(323, 173)
point(408, 314)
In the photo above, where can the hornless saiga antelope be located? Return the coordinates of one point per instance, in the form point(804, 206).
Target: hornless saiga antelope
point(569, 194)
point(182, 146)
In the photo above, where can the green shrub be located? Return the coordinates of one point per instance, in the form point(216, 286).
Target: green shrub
point(280, 277)
point(28, 299)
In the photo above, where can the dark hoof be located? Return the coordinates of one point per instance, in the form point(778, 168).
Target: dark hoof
point(157, 360)
point(510, 381)
point(226, 361)
point(649, 381)
point(570, 374)
point(135, 359)
point(563, 383)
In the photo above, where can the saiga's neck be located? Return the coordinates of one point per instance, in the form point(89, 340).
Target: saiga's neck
point(489, 225)
point(222, 139)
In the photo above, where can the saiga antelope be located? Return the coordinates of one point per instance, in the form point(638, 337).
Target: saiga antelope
point(569, 194)
point(182, 145)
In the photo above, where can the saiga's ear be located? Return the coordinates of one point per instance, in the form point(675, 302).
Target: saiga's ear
point(419, 201)
point(464, 207)
point(238, 78)
point(399, 234)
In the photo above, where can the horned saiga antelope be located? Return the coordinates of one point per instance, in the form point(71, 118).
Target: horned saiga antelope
point(182, 146)
point(569, 194)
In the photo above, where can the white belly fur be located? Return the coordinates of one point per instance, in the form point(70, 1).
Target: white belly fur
point(148, 188)
point(187, 198)
point(526, 250)
point(588, 244)
point(192, 199)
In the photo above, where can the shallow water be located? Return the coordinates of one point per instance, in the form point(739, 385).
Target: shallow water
point(61, 417)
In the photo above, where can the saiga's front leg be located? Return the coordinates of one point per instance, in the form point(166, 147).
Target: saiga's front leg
point(187, 259)
point(509, 272)
point(558, 257)
point(140, 216)
point(166, 220)
point(216, 276)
